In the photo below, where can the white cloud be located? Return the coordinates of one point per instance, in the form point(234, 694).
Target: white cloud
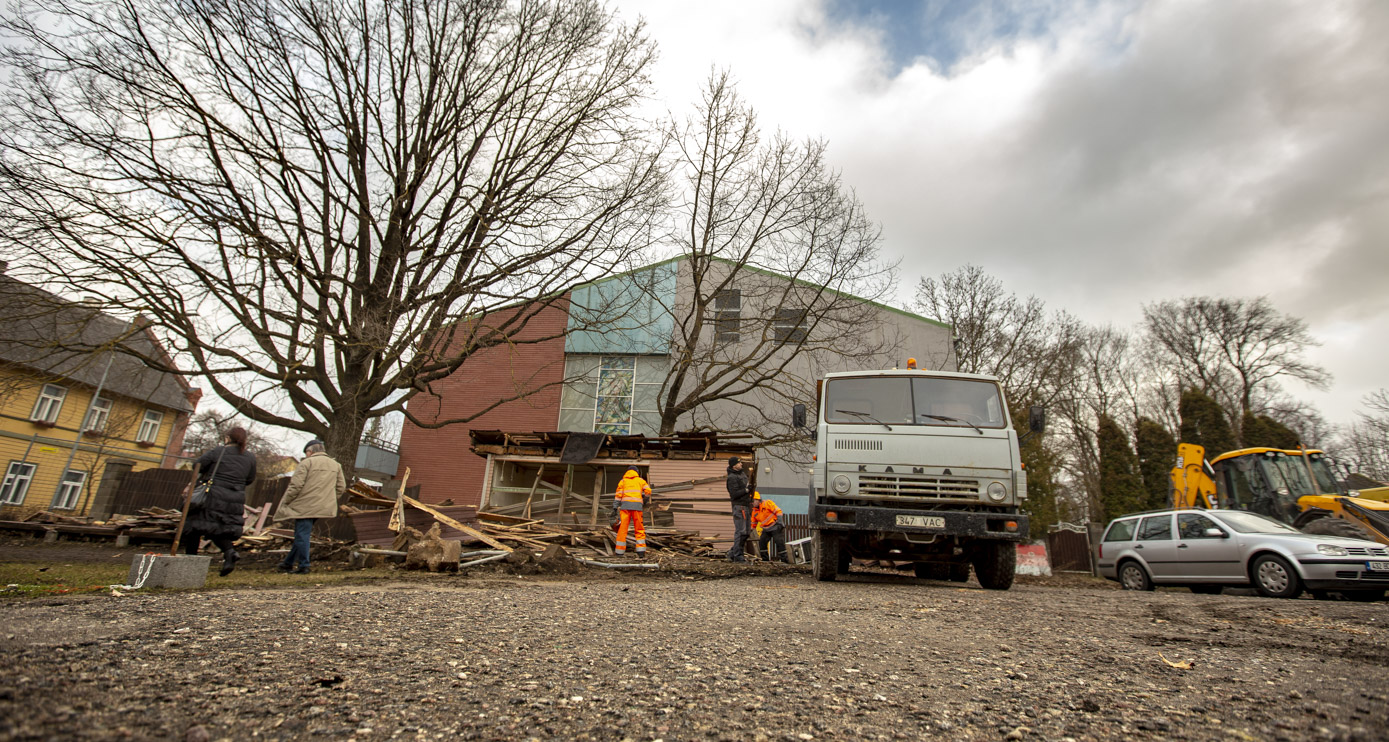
point(1128, 155)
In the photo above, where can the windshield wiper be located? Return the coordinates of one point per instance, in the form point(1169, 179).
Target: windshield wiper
point(864, 414)
point(953, 420)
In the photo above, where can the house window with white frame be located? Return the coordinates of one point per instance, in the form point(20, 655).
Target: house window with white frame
point(98, 416)
point(16, 484)
point(614, 394)
point(788, 326)
point(69, 490)
point(149, 427)
point(50, 404)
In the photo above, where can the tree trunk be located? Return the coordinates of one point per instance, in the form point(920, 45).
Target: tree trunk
point(342, 439)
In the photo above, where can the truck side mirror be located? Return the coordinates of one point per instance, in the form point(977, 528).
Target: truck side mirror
point(798, 415)
point(1037, 419)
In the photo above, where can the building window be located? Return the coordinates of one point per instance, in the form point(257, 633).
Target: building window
point(99, 414)
point(69, 490)
point(16, 484)
point(728, 314)
point(788, 326)
point(50, 402)
point(149, 427)
point(618, 395)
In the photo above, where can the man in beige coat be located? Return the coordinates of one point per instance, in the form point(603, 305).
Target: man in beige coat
point(313, 493)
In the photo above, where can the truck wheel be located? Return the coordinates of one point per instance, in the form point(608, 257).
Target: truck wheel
point(1275, 578)
point(996, 564)
point(931, 570)
point(826, 550)
point(1332, 526)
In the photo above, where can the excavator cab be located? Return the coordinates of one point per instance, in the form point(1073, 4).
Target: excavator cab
point(1322, 468)
point(1260, 480)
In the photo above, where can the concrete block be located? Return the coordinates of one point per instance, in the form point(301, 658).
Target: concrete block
point(50, 536)
point(179, 571)
point(122, 540)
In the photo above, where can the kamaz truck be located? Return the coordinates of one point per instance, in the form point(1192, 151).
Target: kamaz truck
point(918, 466)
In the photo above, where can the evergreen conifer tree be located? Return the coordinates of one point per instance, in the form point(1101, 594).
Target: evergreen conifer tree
point(1121, 489)
point(1204, 423)
point(1157, 453)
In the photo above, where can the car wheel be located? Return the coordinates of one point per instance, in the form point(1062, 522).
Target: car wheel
point(1207, 589)
point(826, 551)
point(1275, 578)
point(1132, 576)
point(1363, 596)
point(996, 564)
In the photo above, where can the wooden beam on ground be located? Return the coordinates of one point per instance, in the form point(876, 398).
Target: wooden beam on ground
point(397, 523)
point(456, 525)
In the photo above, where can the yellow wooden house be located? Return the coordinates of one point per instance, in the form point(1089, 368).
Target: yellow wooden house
point(72, 408)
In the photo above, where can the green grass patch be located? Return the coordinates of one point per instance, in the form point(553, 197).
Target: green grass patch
point(20, 580)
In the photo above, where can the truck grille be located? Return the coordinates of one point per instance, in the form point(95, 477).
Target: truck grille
point(857, 444)
point(891, 485)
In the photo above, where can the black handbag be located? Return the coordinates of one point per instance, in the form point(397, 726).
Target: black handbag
point(197, 499)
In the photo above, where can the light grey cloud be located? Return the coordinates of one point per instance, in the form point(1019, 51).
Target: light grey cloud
point(1120, 154)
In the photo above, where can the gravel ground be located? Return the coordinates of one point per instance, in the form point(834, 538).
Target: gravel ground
point(682, 655)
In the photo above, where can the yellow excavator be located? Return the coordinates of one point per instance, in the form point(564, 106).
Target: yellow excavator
point(1295, 487)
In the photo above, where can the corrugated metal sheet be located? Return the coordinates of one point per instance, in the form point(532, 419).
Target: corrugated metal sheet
point(710, 497)
point(626, 314)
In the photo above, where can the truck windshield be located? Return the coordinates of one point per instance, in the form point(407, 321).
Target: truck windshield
point(904, 400)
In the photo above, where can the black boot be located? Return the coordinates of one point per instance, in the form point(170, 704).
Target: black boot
point(229, 558)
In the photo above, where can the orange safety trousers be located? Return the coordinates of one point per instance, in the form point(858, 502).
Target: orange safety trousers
point(634, 517)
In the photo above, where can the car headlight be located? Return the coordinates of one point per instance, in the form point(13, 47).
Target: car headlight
point(1332, 550)
point(997, 491)
point(840, 485)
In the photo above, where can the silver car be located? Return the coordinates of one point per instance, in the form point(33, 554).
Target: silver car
point(1207, 550)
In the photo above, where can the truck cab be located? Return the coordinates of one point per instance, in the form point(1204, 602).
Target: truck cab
point(919, 466)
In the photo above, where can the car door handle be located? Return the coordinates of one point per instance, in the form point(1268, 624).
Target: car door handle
point(1181, 546)
point(1139, 546)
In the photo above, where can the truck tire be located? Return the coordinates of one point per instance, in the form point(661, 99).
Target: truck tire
point(825, 564)
point(931, 570)
point(995, 564)
point(1332, 526)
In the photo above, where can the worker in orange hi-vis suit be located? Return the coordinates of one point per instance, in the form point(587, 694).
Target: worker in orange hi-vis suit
point(766, 520)
point(632, 492)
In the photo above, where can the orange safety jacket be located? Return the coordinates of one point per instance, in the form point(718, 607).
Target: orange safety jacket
point(766, 515)
point(630, 491)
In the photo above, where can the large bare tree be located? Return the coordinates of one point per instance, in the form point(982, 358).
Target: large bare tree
point(782, 264)
point(1232, 349)
point(305, 197)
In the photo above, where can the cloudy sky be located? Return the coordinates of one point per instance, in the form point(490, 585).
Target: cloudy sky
point(1100, 155)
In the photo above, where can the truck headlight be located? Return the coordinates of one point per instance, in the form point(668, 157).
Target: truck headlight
point(840, 485)
point(1332, 550)
point(997, 491)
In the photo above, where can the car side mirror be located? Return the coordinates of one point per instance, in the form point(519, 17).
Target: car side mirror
point(1037, 419)
point(798, 415)
point(1216, 533)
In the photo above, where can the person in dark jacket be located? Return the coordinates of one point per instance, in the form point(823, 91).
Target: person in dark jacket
point(229, 468)
point(740, 495)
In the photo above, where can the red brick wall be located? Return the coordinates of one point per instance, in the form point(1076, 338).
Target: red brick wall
point(439, 459)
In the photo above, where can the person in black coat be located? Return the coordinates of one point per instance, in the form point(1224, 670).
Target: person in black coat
point(740, 497)
point(229, 468)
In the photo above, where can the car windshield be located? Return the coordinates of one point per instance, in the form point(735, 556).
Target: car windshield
point(907, 400)
point(1253, 523)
